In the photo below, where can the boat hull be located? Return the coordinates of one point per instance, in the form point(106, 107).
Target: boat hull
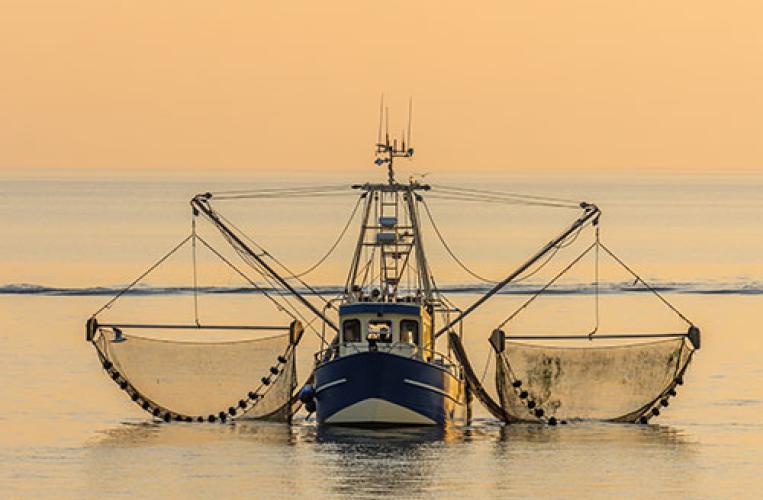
point(383, 389)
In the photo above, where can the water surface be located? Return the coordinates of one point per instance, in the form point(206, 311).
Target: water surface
point(68, 432)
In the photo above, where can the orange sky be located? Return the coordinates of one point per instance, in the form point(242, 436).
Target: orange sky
point(275, 85)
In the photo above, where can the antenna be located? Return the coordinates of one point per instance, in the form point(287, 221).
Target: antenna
point(386, 126)
point(390, 148)
point(381, 119)
point(410, 118)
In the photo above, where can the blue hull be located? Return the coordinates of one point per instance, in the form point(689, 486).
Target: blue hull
point(378, 388)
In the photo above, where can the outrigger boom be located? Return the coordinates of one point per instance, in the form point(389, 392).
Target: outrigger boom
point(200, 203)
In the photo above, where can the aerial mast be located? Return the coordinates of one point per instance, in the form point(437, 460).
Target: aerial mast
point(387, 150)
point(391, 235)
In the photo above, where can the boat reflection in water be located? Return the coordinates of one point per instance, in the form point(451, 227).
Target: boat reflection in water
point(384, 462)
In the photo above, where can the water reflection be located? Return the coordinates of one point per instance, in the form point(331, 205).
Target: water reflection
point(381, 441)
point(592, 431)
point(249, 458)
point(640, 459)
point(382, 462)
point(134, 434)
point(400, 436)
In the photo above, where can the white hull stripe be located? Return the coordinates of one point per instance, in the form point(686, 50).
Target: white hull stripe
point(330, 384)
point(430, 388)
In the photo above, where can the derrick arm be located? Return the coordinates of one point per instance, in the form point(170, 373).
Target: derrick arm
point(200, 203)
point(591, 213)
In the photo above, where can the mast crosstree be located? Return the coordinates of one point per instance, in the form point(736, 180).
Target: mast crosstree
point(389, 263)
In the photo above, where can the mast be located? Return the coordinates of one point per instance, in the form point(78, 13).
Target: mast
point(353, 275)
point(421, 261)
point(394, 237)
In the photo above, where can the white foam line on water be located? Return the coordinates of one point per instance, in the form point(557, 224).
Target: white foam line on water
point(707, 288)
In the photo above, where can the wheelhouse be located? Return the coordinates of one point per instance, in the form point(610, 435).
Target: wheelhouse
point(403, 329)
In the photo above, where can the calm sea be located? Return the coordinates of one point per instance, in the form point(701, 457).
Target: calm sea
point(67, 243)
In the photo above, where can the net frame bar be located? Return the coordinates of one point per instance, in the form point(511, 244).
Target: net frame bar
point(140, 326)
point(598, 336)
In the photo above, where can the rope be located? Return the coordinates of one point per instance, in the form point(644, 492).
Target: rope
point(283, 293)
point(195, 273)
point(145, 273)
point(539, 268)
point(647, 285)
point(566, 201)
point(596, 282)
point(327, 194)
point(293, 314)
point(273, 285)
point(463, 266)
point(448, 249)
point(247, 278)
point(264, 252)
point(297, 192)
point(561, 245)
point(292, 311)
point(487, 199)
point(333, 247)
point(596, 244)
point(547, 285)
point(281, 190)
point(487, 365)
point(482, 195)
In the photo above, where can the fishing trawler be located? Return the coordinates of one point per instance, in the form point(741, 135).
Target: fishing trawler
point(379, 363)
point(384, 368)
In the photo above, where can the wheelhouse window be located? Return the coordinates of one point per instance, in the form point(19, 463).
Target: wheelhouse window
point(409, 331)
point(351, 330)
point(380, 331)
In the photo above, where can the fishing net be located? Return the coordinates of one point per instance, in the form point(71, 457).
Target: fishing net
point(202, 381)
point(623, 383)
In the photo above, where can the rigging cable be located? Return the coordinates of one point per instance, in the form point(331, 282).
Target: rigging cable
point(265, 253)
point(324, 194)
point(246, 277)
point(277, 192)
point(282, 190)
point(279, 290)
point(647, 285)
point(596, 281)
point(145, 273)
point(596, 244)
point(487, 365)
point(547, 285)
point(454, 189)
point(563, 244)
point(283, 193)
point(191, 236)
point(333, 247)
point(367, 267)
point(491, 199)
point(195, 272)
point(448, 249)
point(559, 246)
